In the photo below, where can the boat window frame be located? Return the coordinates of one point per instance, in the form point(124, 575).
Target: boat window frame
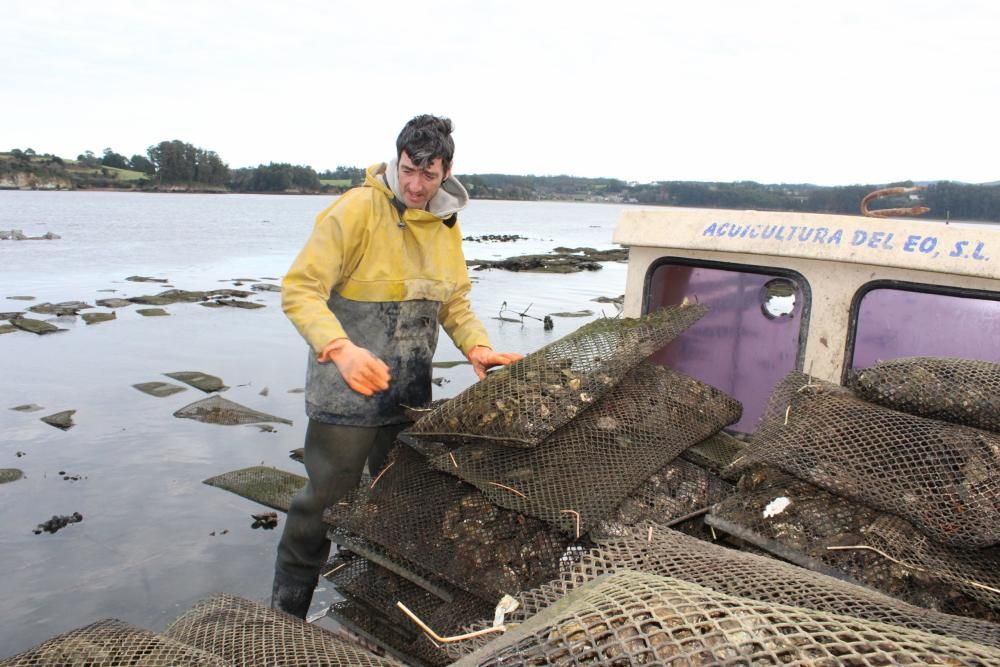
point(799, 279)
point(902, 286)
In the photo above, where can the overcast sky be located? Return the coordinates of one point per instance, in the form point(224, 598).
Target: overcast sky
point(834, 92)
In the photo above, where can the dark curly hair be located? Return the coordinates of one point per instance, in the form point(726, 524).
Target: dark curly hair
point(427, 137)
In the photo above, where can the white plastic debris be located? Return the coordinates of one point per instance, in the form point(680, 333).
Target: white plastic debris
point(506, 605)
point(776, 507)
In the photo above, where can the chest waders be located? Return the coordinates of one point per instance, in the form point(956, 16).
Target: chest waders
point(346, 429)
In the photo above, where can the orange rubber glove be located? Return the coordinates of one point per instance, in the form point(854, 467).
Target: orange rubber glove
point(482, 357)
point(363, 371)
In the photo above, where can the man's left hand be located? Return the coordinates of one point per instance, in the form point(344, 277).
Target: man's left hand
point(482, 357)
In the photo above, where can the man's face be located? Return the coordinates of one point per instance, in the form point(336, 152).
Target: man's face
point(418, 184)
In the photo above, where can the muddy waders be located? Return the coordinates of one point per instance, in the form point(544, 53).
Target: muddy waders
point(346, 429)
point(335, 457)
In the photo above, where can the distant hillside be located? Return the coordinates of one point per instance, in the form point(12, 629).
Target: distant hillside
point(49, 172)
point(177, 166)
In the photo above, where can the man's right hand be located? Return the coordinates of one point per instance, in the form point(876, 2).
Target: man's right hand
point(362, 371)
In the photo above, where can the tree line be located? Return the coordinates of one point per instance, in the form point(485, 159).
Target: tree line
point(174, 162)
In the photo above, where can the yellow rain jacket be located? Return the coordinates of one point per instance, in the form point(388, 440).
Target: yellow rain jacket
point(384, 276)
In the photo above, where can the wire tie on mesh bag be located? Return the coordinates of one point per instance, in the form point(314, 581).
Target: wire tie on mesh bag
point(649, 537)
point(447, 640)
point(788, 411)
point(883, 554)
point(505, 487)
point(335, 569)
point(577, 514)
point(454, 462)
point(379, 476)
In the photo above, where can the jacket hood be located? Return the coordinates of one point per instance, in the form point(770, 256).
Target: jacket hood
point(450, 198)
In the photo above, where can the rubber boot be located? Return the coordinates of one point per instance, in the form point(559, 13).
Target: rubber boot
point(291, 596)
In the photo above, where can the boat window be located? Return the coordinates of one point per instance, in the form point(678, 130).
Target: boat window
point(895, 321)
point(751, 337)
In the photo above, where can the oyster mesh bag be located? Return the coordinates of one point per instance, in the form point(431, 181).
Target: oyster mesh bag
point(381, 589)
point(635, 618)
point(670, 495)
point(963, 391)
point(360, 619)
point(267, 486)
point(449, 528)
point(715, 453)
point(585, 469)
point(246, 633)
point(111, 643)
point(522, 404)
point(805, 524)
point(943, 478)
point(655, 549)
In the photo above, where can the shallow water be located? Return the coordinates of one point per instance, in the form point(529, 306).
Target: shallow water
point(145, 550)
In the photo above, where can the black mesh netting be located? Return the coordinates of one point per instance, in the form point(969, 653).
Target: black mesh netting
point(942, 477)
point(369, 624)
point(658, 550)
point(522, 404)
point(671, 495)
point(635, 618)
point(449, 528)
point(817, 529)
point(246, 633)
point(584, 470)
point(963, 391)
point(380, 589)
point(112, 643)
point(267, 486)
point(714, 453)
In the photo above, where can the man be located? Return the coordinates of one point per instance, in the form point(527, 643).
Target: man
point(382, 268)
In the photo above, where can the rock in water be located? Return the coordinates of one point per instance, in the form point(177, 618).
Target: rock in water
point(218, 410)
point(94, 318)
point(159, 389)
point(207, 383)
point(63, 420)
point(35, 326)
point(114, 303)
point(146, 279)
point(152, 312)
point(10, 475)
point(27, 407)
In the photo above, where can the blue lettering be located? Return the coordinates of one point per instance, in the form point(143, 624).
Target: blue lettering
point(888, 242)
point(805, 234)
point(753, 232)
point(721, 231)
point(911, 243)
point(928, 244)
point(959, 249)
point(859, 237)
point(710, 230)
point(780, 236)
point(836, 237)
point(734, 231)
point(768, 231)
point(875, 239)
point(821, 234)
point(978, 252)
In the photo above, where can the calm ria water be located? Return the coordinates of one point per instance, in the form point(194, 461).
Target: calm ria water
point(154, 539)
